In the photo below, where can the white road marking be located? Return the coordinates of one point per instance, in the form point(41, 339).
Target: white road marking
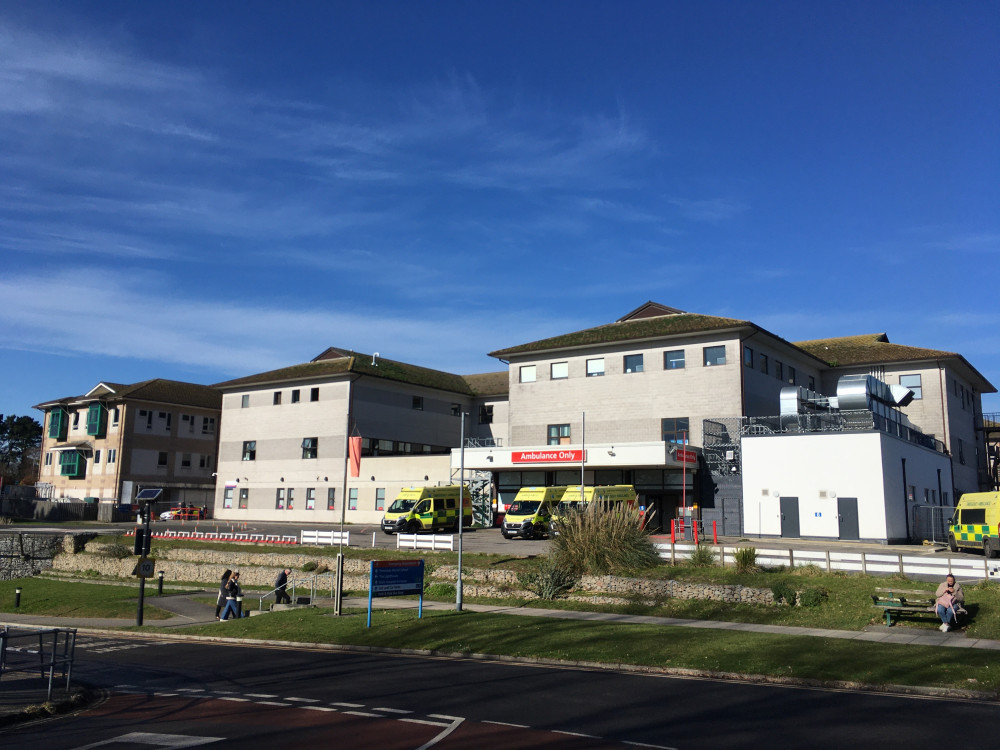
point(643, 744)
point(261, 695)
point(576, 734)
point(234, 698)
point(392, 710)
point(303, 700)
point(156, 740)
point(364, 713)
point(506, 724)
point(455, 723)
point(349, 705)
point(271, 703)
point(319, 708)
point(424, 721)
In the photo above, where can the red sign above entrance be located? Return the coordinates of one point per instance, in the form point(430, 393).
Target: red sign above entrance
point(687, 457)
point(546, 457)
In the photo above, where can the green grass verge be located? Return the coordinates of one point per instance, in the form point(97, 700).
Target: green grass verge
point(642, 645)
point(49, 598)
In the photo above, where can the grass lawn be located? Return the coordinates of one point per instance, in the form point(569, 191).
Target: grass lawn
point(657, 646)
point(50, 598)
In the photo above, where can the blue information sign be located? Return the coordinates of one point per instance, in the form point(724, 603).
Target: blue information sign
point(396, 578)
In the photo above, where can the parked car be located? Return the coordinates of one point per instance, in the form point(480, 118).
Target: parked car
point(189, 514)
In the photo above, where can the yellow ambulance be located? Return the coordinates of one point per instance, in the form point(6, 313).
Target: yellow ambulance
point(531, 512)
point(572, 501)
point(418, 509)
point(976, 523)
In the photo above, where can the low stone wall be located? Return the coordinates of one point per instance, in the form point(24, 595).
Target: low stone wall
point(261, 568)
point(24, 555)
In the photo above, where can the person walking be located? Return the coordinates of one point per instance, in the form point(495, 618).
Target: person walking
point(221, 599)
point(280, 584)
point(233, 592)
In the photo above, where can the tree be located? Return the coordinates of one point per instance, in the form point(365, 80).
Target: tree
point(20, 439)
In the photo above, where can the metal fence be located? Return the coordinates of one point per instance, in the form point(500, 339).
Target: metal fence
point(931, 522)
point(48, 652)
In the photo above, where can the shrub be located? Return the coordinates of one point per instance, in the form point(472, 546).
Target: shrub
point(746, 560)
point(310, 566)
point(809, 570)
point(813, 597)
point(549, 580)
point(603, 540)
point(442, 590)
point(116, 550)
point(322, 569)
point(702, 557)
point(783, 593)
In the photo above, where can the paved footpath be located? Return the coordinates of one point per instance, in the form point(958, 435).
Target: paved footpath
point(17, 692)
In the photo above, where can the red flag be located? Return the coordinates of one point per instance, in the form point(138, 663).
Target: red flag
point(354, 443)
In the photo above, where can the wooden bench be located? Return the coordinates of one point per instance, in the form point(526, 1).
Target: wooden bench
point(906, 602)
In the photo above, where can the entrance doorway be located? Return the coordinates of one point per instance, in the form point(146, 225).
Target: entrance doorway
point(790, 517)
point(847, 517)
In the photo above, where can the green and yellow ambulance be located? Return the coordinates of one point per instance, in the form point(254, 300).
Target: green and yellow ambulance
point(531, 512)
point(417, 509)
point(976, 523)
point(573, 502)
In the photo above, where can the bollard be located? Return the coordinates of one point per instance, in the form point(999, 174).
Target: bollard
point(159, 587)
point(715, 534)
point(239, 607)
point(17, 597)
point(673, 531)
point(694, 527)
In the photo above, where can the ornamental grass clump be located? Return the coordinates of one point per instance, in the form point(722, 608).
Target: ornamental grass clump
point(604, 539)
point(745, 559)
point(549, 580)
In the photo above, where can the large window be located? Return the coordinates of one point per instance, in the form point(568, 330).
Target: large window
point(791, 375)
point(227, 498)
point(913, 383)
point(161, 460)
point(673, 360)
point(244, 497)
point(311, 498)
point(779, 370)
point(632, 363)
point(279, 498)
point(314, 394)
point(558, 434)
point(57, 424)
point(112, 455)
point(352, 498)
point(208, 425)
point(295, 396)
point(748, 356)
point(486, 414)
point(559, 370)
point(418, 403)
point(595, 368)
point(676, 430)
point(380, 498)
point(331, 498)
point(291, 499)
point(310, 447)
point(763, 363)
point(71, 464)
point(528, 374)
point(249, 450)
point(715, 355)
point(245, 401)
point(277, 398)
point(97, 417)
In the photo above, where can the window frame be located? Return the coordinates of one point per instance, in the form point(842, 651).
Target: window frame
point(564, 368)
point(560, 433)
point(626, 358)
point(249, 450)
point(714, 361)
point(310, 445)
point(527, 374)
point(918, 390)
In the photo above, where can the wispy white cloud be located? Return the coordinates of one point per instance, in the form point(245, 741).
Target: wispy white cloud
point(711, 209)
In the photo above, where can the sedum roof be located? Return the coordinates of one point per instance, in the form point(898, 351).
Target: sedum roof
point(489, 383)
point(635, 329)
point(334, 362)
point(157, 390)
point(875, 349)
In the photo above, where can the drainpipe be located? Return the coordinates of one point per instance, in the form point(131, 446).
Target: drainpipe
point(906, 507)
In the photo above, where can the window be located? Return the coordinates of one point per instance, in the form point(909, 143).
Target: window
point(673, 360)
point(277, 398)
point(763, 363)
point(380, 498)
point(676, 430)
point(633, 363)
point(310, 447)
point(205, 462)
point(48, 458)
point(527, 374)
point(112, 455)
point(245, 401)
point(595, 368)
point(558, 434)
point(76, 419)
point(70, 464)
point(812, 383)
point(418, 403)
point(189, 418)
point(227, 498)
point(161, 459)
point(96, 419)
point(961, 452)
point(715, 355)
point(559, 370)
point(291, 499)
point(279, 499)
point(249, 450)
point(57, 424)
point(913, 383)
point(116, 416)
point(185, 460)
point(331, 498)
point(295, 396)
point(791, 374)
point(207, 425)
point(244, 497)
point(779, 370)
point(149, 419)
point(97, 457)
point(311, 498)
point(352, 498)
point(314, 394)
point(486, 414)
point(748, 356)
point(456, 410)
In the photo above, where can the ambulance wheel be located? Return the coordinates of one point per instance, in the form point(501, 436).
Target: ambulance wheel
point(529, 533)
point(952, 544)
point(386, 531)
point(988, 550)
point(413, 527)
point(504, 535)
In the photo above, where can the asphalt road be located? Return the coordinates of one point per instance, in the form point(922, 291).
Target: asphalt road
point(173, 694)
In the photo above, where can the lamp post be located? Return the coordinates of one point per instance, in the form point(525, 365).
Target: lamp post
point(461, 512)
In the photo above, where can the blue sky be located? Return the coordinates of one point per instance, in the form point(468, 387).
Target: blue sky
point(201, 191)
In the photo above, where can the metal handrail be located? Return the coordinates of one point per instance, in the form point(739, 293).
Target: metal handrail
point(61, 653)
point(312, 582)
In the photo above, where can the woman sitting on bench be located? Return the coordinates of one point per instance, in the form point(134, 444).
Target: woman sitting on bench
point(949, 602)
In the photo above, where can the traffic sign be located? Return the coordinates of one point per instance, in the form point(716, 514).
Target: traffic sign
point(144, 568)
